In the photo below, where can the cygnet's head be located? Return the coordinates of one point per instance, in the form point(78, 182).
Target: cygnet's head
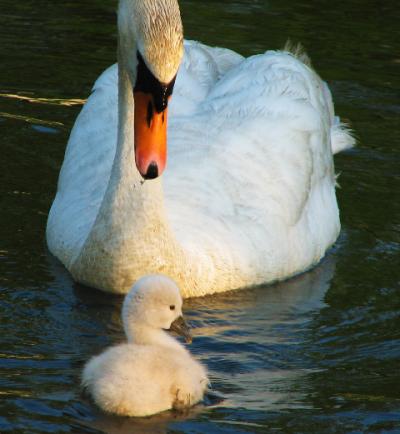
point(154, 302)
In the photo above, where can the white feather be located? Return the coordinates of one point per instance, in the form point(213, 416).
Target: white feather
point(249, 191)
point(152, 372)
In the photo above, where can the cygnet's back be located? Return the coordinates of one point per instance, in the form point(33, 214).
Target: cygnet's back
point(152, 372)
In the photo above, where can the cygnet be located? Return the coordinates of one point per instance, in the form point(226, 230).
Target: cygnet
point(152, 371)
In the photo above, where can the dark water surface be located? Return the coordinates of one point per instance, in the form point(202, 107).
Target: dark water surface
point(319, 353)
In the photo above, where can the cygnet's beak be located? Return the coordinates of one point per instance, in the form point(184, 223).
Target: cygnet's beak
point(180, 327)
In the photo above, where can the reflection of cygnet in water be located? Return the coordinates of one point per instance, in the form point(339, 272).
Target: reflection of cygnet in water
point(152, 372)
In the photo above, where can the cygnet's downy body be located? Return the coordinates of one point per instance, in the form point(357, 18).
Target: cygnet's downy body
point(152, 372)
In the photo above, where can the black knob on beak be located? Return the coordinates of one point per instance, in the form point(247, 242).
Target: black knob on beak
point(152, 171)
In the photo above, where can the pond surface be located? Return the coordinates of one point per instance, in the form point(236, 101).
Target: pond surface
point(318, 353)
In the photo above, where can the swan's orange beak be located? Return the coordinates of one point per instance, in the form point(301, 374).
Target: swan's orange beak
point(150, 136)
point(151, 108)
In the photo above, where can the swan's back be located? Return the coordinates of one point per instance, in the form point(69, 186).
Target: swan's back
point(256, 182)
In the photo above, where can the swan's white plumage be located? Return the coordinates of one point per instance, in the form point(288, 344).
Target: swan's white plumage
point(249, 189)
point(152, 372)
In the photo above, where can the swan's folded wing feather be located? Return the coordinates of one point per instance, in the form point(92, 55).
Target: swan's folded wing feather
point(86, 170)
point(258, 129)
point(259, 151)
point(201, 68)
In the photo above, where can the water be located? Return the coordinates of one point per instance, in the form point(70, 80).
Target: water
point(319, 353)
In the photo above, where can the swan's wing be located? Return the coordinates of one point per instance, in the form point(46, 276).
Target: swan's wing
point(254, 129)
point(86, 170)
point(252, 157)
point(201, 68)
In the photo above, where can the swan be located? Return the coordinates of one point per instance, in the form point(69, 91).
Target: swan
point(152, 372)
point(248, 196)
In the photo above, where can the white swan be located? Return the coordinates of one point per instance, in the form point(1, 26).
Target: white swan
point(152, 372)
point(249, 193)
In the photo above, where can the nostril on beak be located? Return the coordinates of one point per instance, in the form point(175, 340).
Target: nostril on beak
point(152, 171)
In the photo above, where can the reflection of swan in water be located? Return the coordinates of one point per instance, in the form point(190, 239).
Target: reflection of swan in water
point(294, 299)
point(254, 343)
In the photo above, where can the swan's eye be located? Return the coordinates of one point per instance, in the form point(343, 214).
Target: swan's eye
point(172, 307)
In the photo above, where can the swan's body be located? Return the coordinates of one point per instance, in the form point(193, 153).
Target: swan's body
point(249, 192)
point(152, 372)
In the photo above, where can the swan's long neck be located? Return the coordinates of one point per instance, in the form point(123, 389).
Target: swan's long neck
point(130, 233)
point(124, 169)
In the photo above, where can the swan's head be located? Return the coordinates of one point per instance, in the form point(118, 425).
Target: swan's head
point(151, 39)
point(155, 303)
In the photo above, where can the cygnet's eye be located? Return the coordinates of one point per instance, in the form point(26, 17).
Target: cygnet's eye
point(172, 307)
